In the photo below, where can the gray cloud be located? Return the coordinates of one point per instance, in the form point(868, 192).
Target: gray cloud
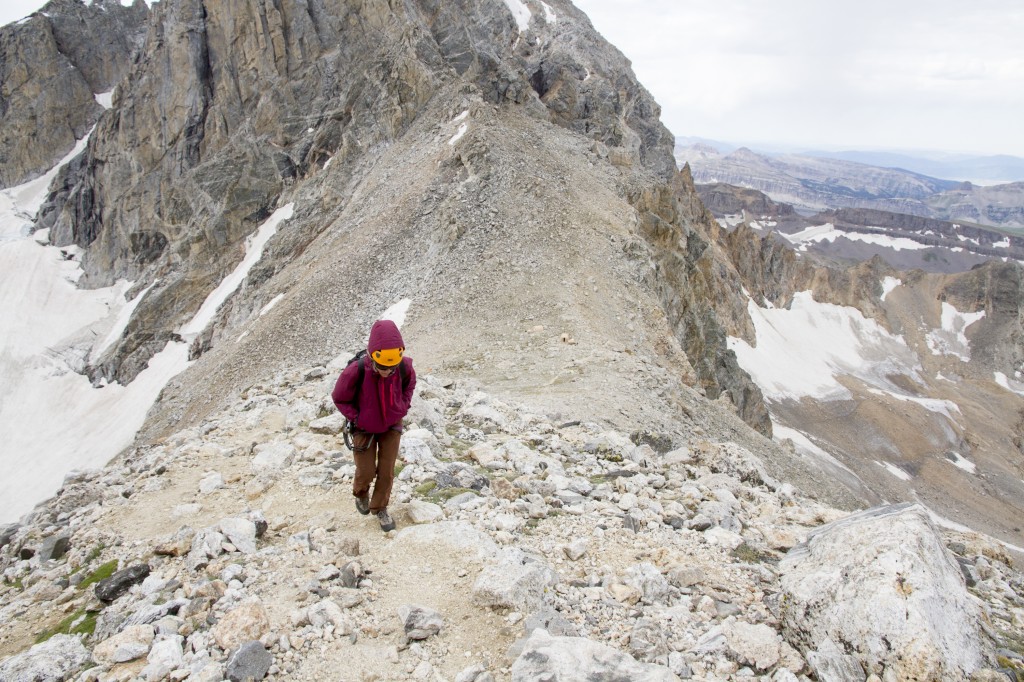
point(910, 74)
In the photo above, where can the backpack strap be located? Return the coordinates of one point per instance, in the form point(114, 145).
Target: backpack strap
point(360, 358)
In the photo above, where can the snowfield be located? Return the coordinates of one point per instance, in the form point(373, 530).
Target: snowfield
point(51, 414)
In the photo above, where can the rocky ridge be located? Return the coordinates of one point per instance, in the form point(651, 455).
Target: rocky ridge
point(263, 113)
point(52, 65)
point(526, 548)
point(945, 246)
point(813, 184)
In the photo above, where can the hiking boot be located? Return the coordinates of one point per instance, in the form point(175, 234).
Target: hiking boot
point(386, 522)
point(363, 505)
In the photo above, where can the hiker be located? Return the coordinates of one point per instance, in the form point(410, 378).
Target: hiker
point(374, 393)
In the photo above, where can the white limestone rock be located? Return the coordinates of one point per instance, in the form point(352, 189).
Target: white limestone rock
point(165, 656)
point(270, 457)
point(424, 512)
point(241, 532)
point(331, 425)
point(882, 582)
point(54, 660)
point(213, 480)
point(244, 623)
point(516, 581)
point(131, 643)
point(576, 658)
point(753, 645)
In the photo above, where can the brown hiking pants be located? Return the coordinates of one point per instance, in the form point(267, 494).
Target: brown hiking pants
point(376, 465)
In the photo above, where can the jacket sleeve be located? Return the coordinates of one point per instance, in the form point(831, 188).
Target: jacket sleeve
point(344, 394)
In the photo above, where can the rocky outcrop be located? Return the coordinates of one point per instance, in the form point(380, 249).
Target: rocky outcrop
point(183, 169)
point(586, 555)
point(51, 66)
point(997, 341)
point(916, 621)
point(724, 199)
point(693, 280)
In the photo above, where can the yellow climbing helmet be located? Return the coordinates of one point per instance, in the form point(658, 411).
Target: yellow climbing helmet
point(387, 357)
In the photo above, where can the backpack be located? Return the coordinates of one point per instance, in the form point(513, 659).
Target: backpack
point(349, 426)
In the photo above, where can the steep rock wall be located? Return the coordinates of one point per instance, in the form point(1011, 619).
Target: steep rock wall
point(51, 65)
point(233, 107)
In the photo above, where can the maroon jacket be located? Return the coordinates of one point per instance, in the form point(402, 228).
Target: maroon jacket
point(382, 402)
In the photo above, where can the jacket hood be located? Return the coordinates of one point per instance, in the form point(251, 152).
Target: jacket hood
point(384, 334)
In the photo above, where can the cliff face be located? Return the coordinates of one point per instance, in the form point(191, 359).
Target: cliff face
point(235, 108)
point(51, 66)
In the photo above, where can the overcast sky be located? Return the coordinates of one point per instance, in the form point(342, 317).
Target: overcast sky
point(944, 75)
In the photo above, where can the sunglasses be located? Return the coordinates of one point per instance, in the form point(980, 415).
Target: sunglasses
point(384, 369)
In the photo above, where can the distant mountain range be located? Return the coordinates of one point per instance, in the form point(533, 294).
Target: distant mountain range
point(814, 183)
point(983, 170)
point(977, 169)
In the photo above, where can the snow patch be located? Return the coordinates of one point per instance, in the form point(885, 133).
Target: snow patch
point(549, 14)
point(829, 233)
point(105, 99)
point(253, 252)
point(943, 407)
point(1009, 384)
point(397, 312)
point(962, 462)
point(50, 414)
point(121, 323)
point(894, 470)
point(1004, 244)
point(801, 351)
point(268, 307)
point(888, 285)
point(19, 204)
point(520, 12)
point(805, 445)
point(951, 339)
point(458, 136)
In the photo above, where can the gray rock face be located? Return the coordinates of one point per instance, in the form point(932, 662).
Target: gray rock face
point(113, 587)
point(51, 66)
point(54, 547)
point(882, 582)
point(516, 581)
point(184, 168)
point(250, 662)
point(420, 622)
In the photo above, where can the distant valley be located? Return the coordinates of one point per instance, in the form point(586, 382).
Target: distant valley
point(812, 184)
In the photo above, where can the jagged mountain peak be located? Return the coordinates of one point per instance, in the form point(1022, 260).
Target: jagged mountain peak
point(179, 172)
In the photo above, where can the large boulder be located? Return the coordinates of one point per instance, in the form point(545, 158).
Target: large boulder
point(882, 587)
point(576, 658)
point(55, 659)
point(516, 581)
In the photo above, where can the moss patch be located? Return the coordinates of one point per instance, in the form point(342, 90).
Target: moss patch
point(80, 622)
point(425, 488)
point(102, 573)
point(92, 556)
point(750, 555)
